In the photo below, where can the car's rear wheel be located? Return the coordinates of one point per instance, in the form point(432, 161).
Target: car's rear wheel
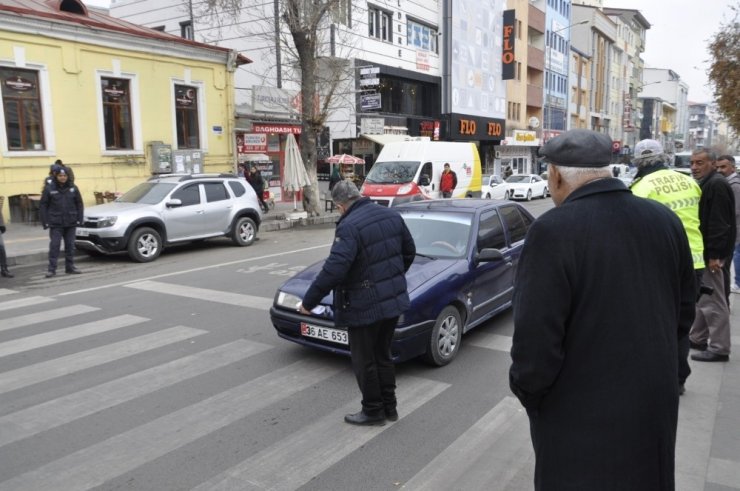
point(507, 195)
point(444, 343)
point(545, 193)
point(488, 195)
point(529, 195)
point(144, 245)
point(244, 232)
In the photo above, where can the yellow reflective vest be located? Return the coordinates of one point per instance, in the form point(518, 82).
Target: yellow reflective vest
point(681, 194)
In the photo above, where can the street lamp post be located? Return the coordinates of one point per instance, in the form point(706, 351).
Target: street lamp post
point(548, 119)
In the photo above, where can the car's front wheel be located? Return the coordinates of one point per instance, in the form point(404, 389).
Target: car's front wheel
point(244, 232)
point(545, 193)
point(144, 245)
point(444, 343)
point(529, 195)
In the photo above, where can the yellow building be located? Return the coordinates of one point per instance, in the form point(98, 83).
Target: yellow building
point(97, 92)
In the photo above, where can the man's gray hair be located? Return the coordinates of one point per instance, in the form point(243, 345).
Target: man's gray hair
point(573, 175)
point(344, 192)
point(710, 154)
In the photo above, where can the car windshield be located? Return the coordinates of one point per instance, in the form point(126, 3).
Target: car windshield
point(518, 178)
point(392, 172)
point(148, 193)
point(439, 234)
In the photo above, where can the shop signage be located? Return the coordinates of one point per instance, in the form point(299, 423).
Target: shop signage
point(616, 146)
point(430, 129)
point(275, 100)
point(372, 126)
point(370, 102)
point(251, 142)
point(466, 127)
point(369, 81)
point(422, 60)
point(522, 137)
point(114, 92)
point(282, 129)
point(507, 53)
point(19, 84)
point(372, 70)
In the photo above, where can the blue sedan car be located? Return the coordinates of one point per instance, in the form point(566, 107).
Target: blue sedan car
point(467, 254)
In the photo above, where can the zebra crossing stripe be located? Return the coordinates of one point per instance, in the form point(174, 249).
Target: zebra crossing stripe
point(490, 341)
point(295, 460)
point(40, 372)
point(65, 409)
point(6, 291)
point(45, 316)
point(94, 465)
point(495, 453)
point(24, 302)
point(205, 294)
point(68, 334)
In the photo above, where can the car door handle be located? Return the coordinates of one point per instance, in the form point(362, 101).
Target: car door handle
point(200, 212)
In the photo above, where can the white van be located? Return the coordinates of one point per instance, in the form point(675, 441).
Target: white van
point(411, 170)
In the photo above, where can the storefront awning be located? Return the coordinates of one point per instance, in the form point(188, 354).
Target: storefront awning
point(387, 138)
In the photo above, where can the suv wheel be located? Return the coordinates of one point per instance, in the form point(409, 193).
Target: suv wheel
point(244, 231)
point(144, 245)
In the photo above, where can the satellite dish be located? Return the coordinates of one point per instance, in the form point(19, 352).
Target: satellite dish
point(534, 123)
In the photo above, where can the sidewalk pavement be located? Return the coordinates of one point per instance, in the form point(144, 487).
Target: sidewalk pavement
point(27, 244)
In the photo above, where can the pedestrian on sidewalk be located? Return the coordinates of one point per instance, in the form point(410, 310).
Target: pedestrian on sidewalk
point(61, 211)
point(726, 167)
point(371, 252)
point(255, 179)
point(681, 194)
point(710, 333)
point(604, 291)
point(335, 177)
point(448, 181)
point(3, 256)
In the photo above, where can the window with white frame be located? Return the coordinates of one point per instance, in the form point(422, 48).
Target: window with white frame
point(421, 36)
point(186, 116)
point(22, 108)
point(379, 24)
point(117, 120)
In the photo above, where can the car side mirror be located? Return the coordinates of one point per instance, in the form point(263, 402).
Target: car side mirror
point(488, 255)
point(173, 203)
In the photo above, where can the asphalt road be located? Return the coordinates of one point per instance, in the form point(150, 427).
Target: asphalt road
point(169, 375)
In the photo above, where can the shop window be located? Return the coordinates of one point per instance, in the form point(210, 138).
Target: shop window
point(379, 24)
point(21, 97)
point(116, 100)
point(186, 116)
point(421, 36)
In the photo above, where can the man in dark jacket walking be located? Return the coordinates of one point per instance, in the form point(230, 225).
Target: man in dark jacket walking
point(61, 210)
point(366, 268)
point(597, 322)
point(710, 333)
point(255, 179)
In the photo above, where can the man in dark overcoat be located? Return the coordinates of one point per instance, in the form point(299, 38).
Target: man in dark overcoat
point(366, 270)
point(603, 282)
point(61, 210)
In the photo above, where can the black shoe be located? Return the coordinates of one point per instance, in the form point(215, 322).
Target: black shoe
point(6, 274)
point(681, 389)
point(391, 415)
point(709, 356)
point(696, 346)
point(362, 419)
point(73, 271)
point(50, 274)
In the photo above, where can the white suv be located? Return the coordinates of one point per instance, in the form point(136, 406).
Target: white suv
point(169, 209)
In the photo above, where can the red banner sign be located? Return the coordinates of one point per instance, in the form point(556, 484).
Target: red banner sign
point(282, 129)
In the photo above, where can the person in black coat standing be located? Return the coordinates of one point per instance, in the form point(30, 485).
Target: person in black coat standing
point(366, 269)
point(61, 211)
point(255, 179)
point(605, 288)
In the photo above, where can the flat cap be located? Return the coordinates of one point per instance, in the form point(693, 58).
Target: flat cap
point(578, 148)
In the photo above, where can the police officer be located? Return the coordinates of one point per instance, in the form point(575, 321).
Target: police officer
point(679, 192)
point(61, 211)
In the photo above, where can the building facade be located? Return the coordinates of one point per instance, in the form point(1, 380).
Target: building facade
point(100, 94)
point(557, 53)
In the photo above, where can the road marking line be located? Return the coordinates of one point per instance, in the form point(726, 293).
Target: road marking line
point(67, 334)
point(45, 316)
point(490, 341)
point(205, 294)
point(309, 452)
point(62, 410)
point(24, 302)
point(40, 372)
point(93, 466)
point(5, 291)
point(495, 453)
point(193, 270)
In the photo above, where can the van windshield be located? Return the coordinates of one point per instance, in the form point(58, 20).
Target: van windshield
point(682, 160)
point(392, 172)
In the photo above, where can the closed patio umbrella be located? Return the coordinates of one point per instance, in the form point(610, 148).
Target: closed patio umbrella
point(296, 176)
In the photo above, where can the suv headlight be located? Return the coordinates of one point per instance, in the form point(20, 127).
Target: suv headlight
point(107, 222)
point(287, 300)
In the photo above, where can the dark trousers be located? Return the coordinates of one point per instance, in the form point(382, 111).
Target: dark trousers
point(56, 234)
point(683, 343)
point(371, 361)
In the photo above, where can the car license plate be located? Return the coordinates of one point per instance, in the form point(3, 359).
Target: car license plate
point(325, 333)
point(81, 232)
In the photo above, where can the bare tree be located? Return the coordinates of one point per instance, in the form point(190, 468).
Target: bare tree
point(305, 38)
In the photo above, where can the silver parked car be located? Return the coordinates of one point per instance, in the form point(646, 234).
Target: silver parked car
point(169, 209)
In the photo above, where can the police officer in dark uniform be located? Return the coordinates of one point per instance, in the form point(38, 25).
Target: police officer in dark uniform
point(61, 211)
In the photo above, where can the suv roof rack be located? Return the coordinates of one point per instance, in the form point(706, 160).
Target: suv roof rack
point(187, 177)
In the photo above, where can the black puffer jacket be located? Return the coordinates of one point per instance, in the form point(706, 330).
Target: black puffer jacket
point(366, 267)
point(717, 217)
point(61, 205)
